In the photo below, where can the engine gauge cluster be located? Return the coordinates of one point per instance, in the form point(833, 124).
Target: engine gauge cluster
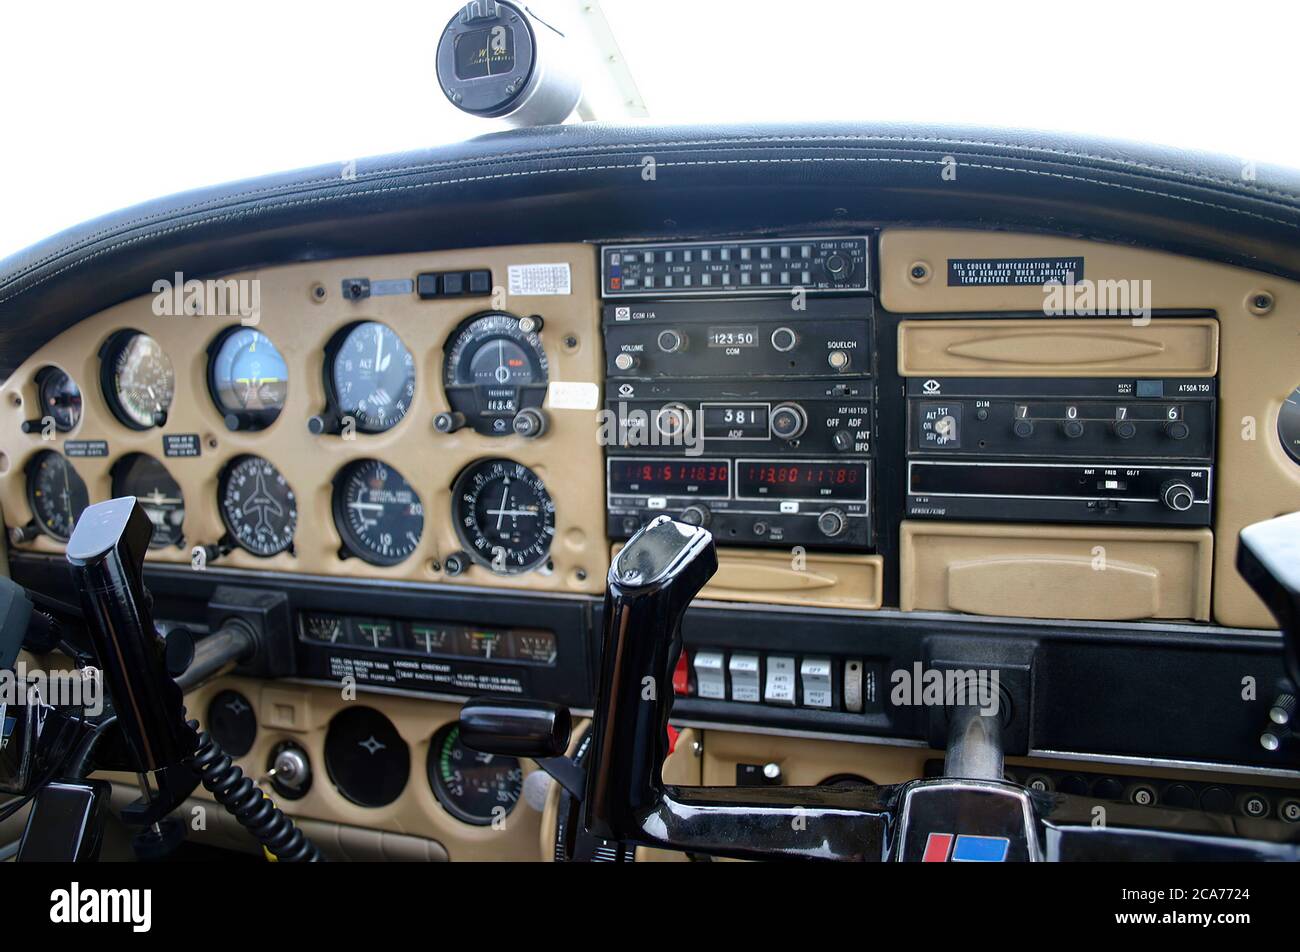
point(494, 368)
point(474, 787)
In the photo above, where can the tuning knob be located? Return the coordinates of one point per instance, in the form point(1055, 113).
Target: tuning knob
point(530, 423)
point(831, 523)
point(1023, 429)
point(1177, 430)
point(1124, 429)
point(671, 341)
point(1177, 495)
point(789, 421)
point(697, 516)
point(1073, 429)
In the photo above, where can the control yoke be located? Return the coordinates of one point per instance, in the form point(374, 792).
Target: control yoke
point(651, 583)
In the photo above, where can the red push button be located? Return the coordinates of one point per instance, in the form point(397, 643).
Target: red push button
point(682, 676)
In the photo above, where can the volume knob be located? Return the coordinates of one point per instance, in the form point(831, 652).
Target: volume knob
point(697, 516)
point(1177, 495)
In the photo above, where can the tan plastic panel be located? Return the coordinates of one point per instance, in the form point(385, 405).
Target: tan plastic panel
point(1058, 348)
point(1258, 367)
point(809, 579)
point(1035, 571)
point(416, 813)
point(567, 457)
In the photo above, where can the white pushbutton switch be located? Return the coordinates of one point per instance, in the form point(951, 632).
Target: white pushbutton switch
point(744, 678)
point(816, 674)
point(710, 680)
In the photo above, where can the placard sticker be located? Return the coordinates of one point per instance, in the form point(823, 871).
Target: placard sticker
point(525, 279)
point(572, 395)
point(1011, 272)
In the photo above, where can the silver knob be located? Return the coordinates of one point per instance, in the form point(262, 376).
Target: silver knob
point(671, 341)
point(625, 361)
point(291, 768)
point(831, 523)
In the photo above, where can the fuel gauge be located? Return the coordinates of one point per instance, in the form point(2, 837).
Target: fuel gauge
point(374, 633)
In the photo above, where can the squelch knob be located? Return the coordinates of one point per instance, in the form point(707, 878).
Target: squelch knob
point(1177, 495)
point(697, 516)
point(831, 523)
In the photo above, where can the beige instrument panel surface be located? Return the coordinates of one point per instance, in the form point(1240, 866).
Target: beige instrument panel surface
point(300, 324)
point(1258, 368)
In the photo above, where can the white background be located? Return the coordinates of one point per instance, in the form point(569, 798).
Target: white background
point(108, 104)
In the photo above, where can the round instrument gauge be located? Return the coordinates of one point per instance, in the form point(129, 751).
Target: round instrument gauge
point(1288, 425)
point(493, 368)
point(258, 507)
point(138, 379)
point(149, 482)
point(378, 514)
point(56, 494)
point(474, 787)
point(60, 398)
point(247, 377)
point(370, 375)
point(503, 515)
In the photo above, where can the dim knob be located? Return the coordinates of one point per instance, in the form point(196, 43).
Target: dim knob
point(831, 523)
point(789, 421)
point(697, 516)
point(1177, 495)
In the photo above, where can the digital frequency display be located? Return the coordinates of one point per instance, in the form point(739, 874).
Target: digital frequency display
point(697, 477)
point(781, 479)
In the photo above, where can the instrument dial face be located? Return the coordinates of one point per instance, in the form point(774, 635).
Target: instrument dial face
point(371, 376)
point(140, 382)
point(474, 787)
point(378, 514)
point(492, 370)
point(60, 399)
point(149, 482)
point(258, 507)
point(1288, 425)
point(504, 516)
point(56, 494)
point(248, 378)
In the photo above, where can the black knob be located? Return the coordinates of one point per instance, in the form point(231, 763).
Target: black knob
point(1023, 428)
point(838, 266)
point(1124, 429)
point(20, 534)
point(789, 421)
point(842, 440)
point(831, 523)
point(455, 564)
point(1177, 430)
point(530, 423)
point(449, 422)
point(784, 339)
point(697, 516)
point(1177, 495)
point(671, 341)
point(1073, 429)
